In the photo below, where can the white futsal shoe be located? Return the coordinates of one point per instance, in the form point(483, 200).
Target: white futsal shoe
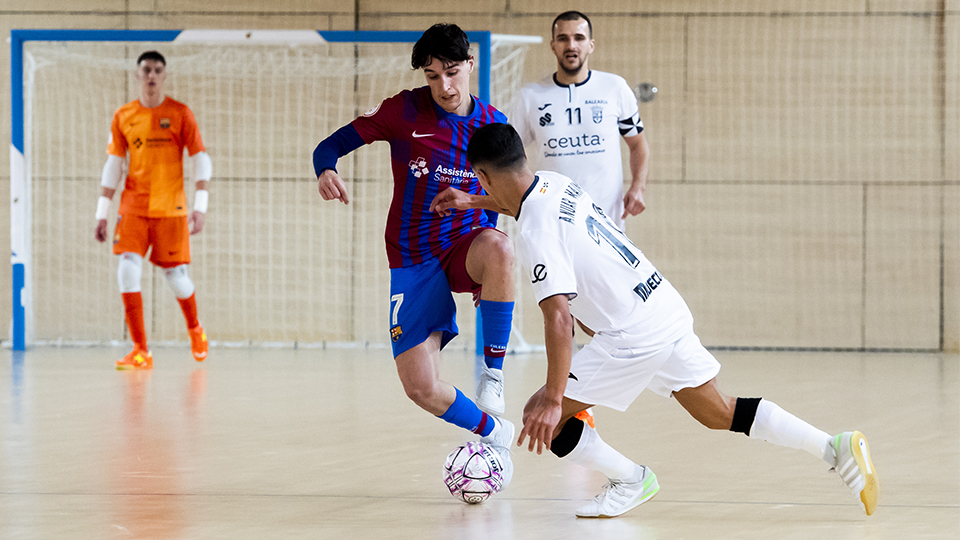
point(501, 439)
point(852, 462)
point(490, 392)
point(619, 496)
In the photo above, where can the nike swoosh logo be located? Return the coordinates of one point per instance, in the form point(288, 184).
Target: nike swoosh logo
point(420, 135)
point(544, 107)
point(574, 377)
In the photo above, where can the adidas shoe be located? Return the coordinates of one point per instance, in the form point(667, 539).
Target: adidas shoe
point(619, 496)
point(490, 392)
point(501, 439)
point(852, 462)
point(198, 343)
point(135, 359)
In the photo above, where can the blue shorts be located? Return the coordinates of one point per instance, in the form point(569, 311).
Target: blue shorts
point(421, 303)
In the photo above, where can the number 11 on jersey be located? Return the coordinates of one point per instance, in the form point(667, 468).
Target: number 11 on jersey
point(616, 239)
point(596, 230)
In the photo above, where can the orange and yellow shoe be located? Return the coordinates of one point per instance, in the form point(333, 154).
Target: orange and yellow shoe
point(198, 343)
point(136, 359)
point(587, 417)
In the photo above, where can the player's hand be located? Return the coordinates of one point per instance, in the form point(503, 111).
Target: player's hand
point(540, 419)
point(633, 203)
point(195, 222)
point(100, 233)
point(449, 200)
point(331, 187)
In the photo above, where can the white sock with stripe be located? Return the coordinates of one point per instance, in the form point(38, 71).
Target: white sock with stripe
point(593, 453)
point(777, 426)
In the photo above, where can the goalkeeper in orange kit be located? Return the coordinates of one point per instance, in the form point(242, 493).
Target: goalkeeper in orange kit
point(153, 213)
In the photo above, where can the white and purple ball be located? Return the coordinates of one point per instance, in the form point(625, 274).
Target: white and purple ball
point(473, 472)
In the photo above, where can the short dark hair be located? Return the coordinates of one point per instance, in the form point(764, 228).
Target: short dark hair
point(445, 42)
point(152, 55)
point(572, 16)
point(497, 146)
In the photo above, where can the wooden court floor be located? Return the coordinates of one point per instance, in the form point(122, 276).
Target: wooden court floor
point(284, 444)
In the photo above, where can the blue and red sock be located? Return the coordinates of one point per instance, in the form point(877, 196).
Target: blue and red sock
point(464, 413)
point(496, 321)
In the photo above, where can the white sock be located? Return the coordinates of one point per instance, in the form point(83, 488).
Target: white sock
point(591, 452)
point(777, 426)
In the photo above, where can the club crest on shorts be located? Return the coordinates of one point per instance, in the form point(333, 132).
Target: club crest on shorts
point(165, 123)
point(396, 332)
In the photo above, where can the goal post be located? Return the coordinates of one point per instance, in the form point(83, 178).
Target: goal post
point(274, 265)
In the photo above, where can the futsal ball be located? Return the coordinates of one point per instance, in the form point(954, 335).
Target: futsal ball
point(473, 472)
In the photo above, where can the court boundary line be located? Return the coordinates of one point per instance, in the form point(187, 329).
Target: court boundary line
point(442, 497)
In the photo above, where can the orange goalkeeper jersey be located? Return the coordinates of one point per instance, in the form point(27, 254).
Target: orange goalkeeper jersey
point(155, 139)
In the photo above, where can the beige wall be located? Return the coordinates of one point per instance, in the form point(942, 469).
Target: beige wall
point(805, 180)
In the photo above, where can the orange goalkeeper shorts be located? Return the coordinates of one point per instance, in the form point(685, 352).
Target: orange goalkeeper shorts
point(169, 237)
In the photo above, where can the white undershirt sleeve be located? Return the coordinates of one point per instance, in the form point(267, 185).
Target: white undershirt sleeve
point(112, 172)
point(202, 166)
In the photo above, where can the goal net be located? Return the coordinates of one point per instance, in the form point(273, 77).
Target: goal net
point(274, 264)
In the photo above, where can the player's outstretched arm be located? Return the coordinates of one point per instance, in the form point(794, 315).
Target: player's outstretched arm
point(542, 415)
point(452, 199)
point(325, 156)
point(633, 199)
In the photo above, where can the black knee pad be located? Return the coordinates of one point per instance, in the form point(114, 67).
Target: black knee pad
point(744, 414)
point(568, 438)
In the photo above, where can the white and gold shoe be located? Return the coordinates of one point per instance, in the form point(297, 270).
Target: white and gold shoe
point(619, 496)
point(852, 462)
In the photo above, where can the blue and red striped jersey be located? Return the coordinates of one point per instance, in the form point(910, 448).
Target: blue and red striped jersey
point(428, 153)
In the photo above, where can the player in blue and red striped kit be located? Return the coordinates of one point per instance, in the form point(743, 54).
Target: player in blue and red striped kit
point(433, 254)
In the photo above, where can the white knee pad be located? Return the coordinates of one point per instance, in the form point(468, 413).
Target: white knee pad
point(129, 272)
point(179, 281)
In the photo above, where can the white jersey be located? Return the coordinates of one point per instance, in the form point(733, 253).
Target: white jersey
point(576, 129)
point(568, 246)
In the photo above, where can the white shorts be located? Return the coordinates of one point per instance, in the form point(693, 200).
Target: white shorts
point(608, 372)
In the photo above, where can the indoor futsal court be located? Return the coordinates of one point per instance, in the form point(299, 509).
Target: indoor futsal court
point(296, 444)
point(803, 196)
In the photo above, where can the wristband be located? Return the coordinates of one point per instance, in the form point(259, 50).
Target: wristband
point(103, 204)
point(201, 200)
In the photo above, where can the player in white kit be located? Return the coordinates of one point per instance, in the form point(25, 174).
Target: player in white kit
point(579, 262)
point(575, 117)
